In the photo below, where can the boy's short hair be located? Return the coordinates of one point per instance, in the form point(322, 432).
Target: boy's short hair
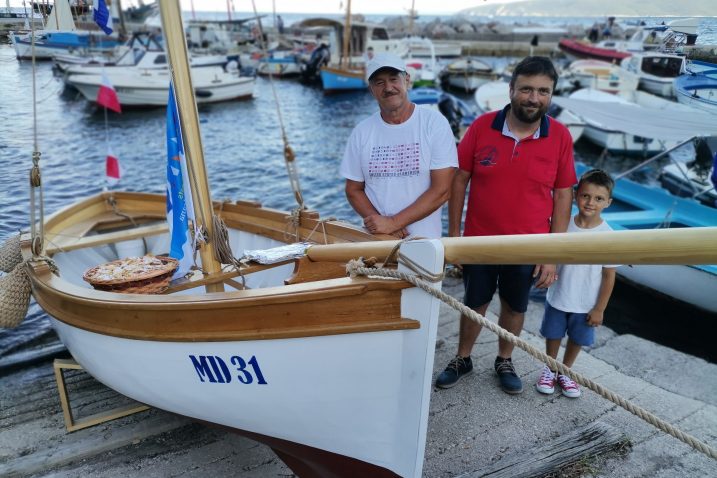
point(597, 177)
point(535, 65)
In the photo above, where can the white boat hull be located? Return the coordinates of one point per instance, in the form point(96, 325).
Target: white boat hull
point(152, 88)
point(684, 283)
point(468, 82)
point(658, 86)
point(623, 143)
point(706, 101)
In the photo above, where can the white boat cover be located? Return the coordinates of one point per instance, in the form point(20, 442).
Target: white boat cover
point(668, 125)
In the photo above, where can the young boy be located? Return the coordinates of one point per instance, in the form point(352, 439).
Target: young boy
point(575, 304)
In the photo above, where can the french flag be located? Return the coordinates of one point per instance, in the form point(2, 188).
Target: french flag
point(102, 17)
point(107, 96)
point(113, 170)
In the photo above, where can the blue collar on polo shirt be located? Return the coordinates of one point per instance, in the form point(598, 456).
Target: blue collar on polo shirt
point(500, 124)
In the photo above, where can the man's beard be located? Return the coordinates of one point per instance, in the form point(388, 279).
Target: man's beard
point(522, 115)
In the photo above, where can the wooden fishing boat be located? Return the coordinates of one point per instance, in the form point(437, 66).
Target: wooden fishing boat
point(332, 372)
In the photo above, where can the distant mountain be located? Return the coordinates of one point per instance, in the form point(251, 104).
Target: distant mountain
point(593, 8)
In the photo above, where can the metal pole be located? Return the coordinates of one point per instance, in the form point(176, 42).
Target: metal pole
point(654, 158)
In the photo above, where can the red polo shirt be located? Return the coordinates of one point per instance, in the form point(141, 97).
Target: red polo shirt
point(512, 181)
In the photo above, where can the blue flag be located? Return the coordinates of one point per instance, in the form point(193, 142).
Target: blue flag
point(180, 208)
point(102, 17)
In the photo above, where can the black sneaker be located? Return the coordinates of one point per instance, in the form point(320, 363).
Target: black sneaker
point(509, 380)
point(456, 369)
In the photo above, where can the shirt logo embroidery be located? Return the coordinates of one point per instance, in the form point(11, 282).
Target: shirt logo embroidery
point(486, 156)
point(393, 161)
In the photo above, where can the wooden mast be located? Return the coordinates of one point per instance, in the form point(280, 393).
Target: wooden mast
point(173, 29)
point(345, 60)
point(694, 245)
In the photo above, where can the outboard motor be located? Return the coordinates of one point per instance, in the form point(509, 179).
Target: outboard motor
point(319, 57)
point(450, 109)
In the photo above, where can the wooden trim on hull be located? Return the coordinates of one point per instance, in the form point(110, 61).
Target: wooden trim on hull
point(309, 462)
point(301, 310)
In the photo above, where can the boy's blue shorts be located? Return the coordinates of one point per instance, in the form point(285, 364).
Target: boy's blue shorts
point(512, 281)
point(556, 323)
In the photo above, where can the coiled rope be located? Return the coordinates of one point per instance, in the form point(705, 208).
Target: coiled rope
point(355, 268)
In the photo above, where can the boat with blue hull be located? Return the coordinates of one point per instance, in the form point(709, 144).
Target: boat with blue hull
point(336, 79)
point(638, 207)
point(698, 89)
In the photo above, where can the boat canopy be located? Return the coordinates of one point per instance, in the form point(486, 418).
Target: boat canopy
point(672, 125)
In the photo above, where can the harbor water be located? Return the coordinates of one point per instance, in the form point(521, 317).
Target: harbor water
point(243, 152)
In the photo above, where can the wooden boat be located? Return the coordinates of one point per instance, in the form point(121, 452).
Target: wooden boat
point(332, 372)
point(639, 207)
point(467, 74)
point(350, 41)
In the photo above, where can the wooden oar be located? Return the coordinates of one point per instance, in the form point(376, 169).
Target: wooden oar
point(695, 245)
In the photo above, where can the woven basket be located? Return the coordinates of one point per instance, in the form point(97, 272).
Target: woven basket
point(154, 281)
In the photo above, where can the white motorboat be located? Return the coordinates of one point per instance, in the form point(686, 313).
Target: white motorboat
point(494, 95)
point(635, 122)
point(151, 87)
point(600, 75)
point(656, 71)
point(142, 51)
point(467, 74)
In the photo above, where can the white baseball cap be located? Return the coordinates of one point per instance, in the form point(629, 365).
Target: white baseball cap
point(384, 60)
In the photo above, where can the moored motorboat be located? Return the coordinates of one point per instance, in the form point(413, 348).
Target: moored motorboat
point(136, 87)
point(656, 71)
point(467, 74)
point(636, 122)
point(698, 90)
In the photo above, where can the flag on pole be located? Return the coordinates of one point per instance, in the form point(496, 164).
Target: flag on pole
point(107, 96)
point(113, 170)
point(101, 15)
point(180, 208)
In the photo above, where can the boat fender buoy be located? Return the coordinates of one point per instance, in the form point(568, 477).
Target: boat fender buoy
point(15, 293)
point(10, 254)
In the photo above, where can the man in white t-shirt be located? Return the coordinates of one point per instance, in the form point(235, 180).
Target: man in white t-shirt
point(399, 162)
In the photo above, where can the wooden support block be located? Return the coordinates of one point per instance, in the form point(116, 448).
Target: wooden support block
point(72, 424)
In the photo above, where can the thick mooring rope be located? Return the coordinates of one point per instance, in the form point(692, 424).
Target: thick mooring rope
point(354, 268)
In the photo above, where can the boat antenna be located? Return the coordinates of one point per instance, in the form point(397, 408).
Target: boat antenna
point(37, 228)
point(289, 156)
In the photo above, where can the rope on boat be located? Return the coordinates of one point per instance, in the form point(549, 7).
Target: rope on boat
point(356, 267)
point(222, 248)
point(289, 155)
point(10, 254)
point(15, 293)
point(321, 223)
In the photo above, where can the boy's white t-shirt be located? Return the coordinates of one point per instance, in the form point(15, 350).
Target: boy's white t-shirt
point(578, 285)
point(395, 162)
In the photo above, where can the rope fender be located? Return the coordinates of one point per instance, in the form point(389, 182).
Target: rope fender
point(15, 293)
point(10, 254)
point(355, 268)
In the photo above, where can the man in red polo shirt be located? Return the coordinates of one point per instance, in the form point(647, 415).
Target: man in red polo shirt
point(519, 163)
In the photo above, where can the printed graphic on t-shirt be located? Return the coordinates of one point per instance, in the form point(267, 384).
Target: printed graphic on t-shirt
point(486, 156)
point(398, 160)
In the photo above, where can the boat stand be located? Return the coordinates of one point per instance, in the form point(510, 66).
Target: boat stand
point(72, 424)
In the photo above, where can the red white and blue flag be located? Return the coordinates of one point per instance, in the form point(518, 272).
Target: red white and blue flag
point(102, 17)
point(107, 95)
point(113, 170)
point(180, 208)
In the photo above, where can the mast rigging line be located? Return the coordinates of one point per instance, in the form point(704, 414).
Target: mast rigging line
point(289, 155)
